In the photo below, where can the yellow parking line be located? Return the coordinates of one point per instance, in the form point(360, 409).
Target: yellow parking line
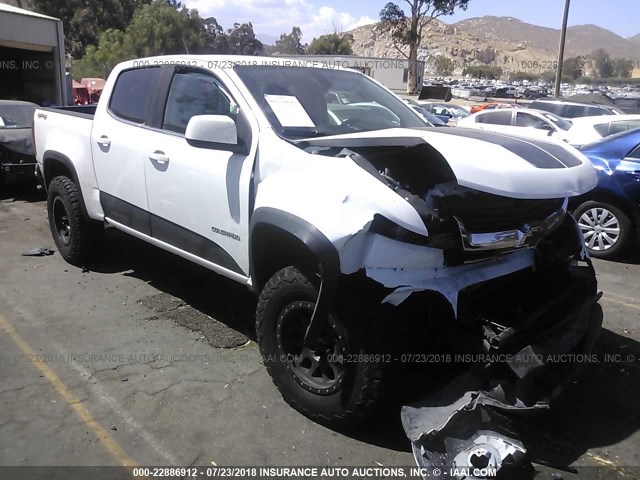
point(608, 297)
point(103, 435)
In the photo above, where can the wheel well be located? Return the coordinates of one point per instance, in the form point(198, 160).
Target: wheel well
point(54, 167)
point(610, 199)
point(272, 249)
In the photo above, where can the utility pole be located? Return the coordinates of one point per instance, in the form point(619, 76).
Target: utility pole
point(563, 37)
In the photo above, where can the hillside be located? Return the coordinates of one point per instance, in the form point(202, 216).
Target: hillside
point(507, 42)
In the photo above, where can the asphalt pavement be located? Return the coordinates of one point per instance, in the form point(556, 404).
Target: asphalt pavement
point(145, 359)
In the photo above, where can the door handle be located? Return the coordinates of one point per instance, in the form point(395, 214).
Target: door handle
point(104, 141)
point(159, 157)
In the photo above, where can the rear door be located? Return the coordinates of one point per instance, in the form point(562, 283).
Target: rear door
point(500, 121)
point(199, 196)
point(534, 125)
point(119, 163)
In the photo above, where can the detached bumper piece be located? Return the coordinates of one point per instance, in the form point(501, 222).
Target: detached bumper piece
point(467, 430)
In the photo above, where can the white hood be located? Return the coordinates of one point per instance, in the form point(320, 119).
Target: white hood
point(494, 163)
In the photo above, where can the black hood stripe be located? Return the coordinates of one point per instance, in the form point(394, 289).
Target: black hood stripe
point(537, 153)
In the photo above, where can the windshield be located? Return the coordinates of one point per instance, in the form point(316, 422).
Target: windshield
point(303, 102)
point(559, 122)
point(16, 116)
point(430, 117)
point(458, 112)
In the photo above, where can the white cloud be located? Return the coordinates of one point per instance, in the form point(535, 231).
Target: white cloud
point(274, 17)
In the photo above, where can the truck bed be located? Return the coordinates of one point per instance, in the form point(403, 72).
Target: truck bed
point(86, 111)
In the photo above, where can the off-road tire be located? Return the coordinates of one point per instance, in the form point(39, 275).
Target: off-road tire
point(361, 394)
point(83, 237)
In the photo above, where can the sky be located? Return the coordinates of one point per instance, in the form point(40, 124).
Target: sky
point(270, 18)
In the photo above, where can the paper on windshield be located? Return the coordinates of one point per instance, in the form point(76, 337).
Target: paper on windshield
point(289, 111)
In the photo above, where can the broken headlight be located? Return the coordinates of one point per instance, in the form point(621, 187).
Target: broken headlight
point(389, 229)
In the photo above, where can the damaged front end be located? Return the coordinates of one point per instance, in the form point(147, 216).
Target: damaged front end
point(520, 292)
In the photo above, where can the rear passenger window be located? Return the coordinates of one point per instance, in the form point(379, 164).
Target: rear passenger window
point(576, 111)
point(547, 106)
point(131, 94)
point(527, 120)
point(194, 93)
point(602, 129)
point(617, 127)
point(501, 117)
point(595, 111)
point(623, 126)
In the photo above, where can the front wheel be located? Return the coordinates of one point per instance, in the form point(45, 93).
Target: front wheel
point(77, 237)
point(340, 379)
point(607, 230)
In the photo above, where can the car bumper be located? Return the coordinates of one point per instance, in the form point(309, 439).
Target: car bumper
point(524, 368)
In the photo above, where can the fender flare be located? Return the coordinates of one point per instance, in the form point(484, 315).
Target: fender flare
point(66, 161)
point(319, 246)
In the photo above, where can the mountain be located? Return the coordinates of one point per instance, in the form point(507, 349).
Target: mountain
point(507, 42)
point(635, 39)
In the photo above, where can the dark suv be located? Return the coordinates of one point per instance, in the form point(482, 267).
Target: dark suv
point(574, 110)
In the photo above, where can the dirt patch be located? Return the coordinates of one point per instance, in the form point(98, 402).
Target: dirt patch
point(172, 308)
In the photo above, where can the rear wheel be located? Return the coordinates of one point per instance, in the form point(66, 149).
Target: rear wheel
point(338, 380)
point(607, 230)
point(77, 237)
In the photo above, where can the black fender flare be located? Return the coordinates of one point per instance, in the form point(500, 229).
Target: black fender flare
point(320, 247)
point(68, 164)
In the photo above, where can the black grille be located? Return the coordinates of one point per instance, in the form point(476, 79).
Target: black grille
point(481, 213)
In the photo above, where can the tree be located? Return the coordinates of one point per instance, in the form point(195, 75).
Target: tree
point(622, 68)
point(159, 29)
point(215, 40)
point(291, 44)
point(156, 29)
point(331, 44)
point(603, 62)
point(99, 61)
point(483, 71)
point(486, 56)
point(442, 66)
point(573, 67)
point(242, 40)
point(84, 20)
point(407, 31)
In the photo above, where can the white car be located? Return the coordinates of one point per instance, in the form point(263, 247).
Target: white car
point(525, 123)
point(589, 129)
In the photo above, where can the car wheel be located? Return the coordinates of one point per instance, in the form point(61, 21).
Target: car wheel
point(337, 381)
point(76, 236)
point(607, 230)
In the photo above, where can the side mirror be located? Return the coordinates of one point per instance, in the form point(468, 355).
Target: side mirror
point(214, 131)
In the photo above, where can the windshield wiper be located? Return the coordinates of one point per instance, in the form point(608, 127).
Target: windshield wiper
point(302, 132)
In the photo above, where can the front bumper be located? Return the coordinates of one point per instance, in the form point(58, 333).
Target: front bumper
point(468, 424)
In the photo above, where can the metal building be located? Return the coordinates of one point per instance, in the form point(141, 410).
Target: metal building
point(32, 61)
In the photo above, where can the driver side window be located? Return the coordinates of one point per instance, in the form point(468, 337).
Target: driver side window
point(526, 120)
point(195, 93)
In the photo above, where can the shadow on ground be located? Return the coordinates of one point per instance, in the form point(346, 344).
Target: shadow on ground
point(599, 410)
point(25, 191)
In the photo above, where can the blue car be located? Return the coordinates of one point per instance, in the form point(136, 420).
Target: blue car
point(609, 215)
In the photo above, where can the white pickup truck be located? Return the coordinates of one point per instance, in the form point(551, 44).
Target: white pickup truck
point(362, 231)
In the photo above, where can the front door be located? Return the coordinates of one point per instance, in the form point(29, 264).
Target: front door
point(198, 196)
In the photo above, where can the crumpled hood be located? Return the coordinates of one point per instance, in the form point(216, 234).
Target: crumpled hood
point(17, 140)
point(494, 163)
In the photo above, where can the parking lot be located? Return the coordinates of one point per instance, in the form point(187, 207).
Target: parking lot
point(143, 358)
